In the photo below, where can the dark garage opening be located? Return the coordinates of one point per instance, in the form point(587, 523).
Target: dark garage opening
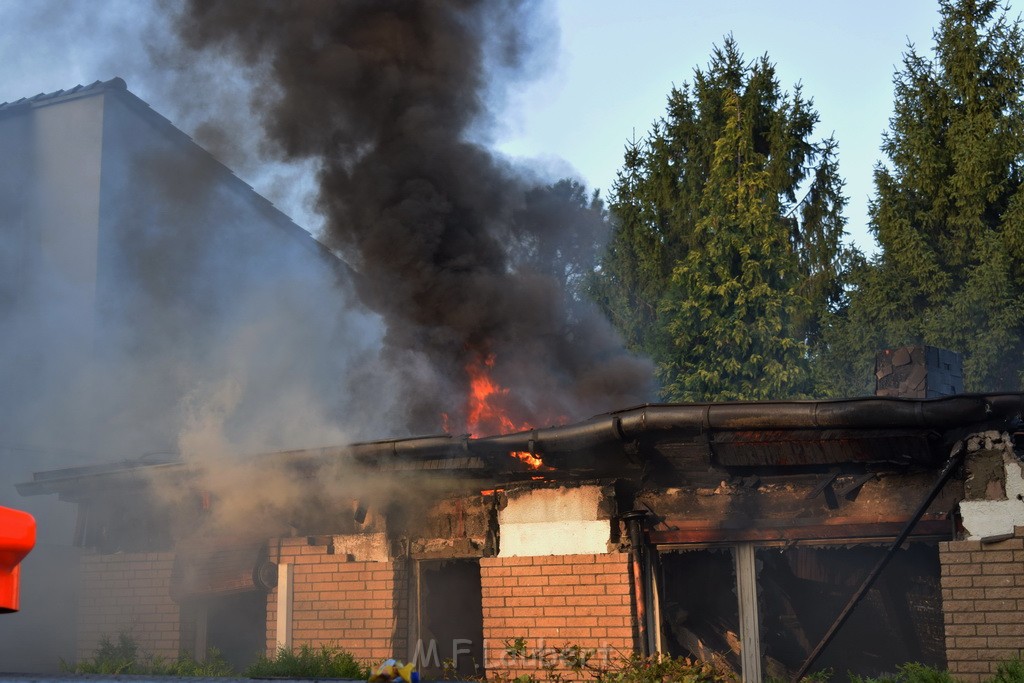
point(801, 591)
point(899, 620)
point(451, 616)
point(236, 625)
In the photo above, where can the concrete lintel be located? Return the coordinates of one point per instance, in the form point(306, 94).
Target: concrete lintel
point(554, 538)
point(984, 518)
point(997, 506)
point(371, 547)
point(555, 521)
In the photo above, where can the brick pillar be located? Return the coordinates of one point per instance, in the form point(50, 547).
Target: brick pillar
point(130, 593)
point(554, 601)
point(359, 606)
point(983, 604)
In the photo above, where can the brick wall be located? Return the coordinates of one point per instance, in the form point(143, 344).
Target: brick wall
point(983, 603)
point(554, 601)
point(361, 607)
point(128, 592)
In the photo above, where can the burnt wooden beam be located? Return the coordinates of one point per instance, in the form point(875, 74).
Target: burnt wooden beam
point(795, 530)
point(825, 487)
point(850, 490)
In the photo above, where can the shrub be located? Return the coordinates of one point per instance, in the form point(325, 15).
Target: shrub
point(109, 658)
point(573, 662)
point(910, 673)
point(185, 665)
point(1010, 672)
point(308, 662)
point(124, 658)
point(637, 669)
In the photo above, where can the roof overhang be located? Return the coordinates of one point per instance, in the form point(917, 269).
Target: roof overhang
point(775, 434)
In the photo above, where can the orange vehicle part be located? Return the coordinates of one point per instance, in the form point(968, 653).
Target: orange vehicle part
point(17, 538)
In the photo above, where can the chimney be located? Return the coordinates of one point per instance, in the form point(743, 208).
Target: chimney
point(918, 372)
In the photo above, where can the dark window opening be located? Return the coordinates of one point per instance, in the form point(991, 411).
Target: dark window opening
point(804, 589)
point(128, 523)
point(234, 624)
point(699, 611)
point(451, 622)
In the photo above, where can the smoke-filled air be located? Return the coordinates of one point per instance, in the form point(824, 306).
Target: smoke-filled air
point(449, 293)
point(467, 258)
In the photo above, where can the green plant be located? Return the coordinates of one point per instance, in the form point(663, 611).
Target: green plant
point(308, 662)
point(124, 658)
point(912, 672)
point(823, 676)
point(185, 665)
point(450, 672)
point(638, 669)
point(1010, 672)
point(572, 662)
point(109, 658)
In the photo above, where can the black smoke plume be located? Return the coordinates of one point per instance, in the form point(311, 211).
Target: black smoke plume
point(461, 253)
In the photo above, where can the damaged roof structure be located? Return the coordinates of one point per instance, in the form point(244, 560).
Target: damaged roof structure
point(733, 532)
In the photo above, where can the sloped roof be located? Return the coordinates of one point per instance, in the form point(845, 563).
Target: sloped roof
point(120, 87)
point(42, 99)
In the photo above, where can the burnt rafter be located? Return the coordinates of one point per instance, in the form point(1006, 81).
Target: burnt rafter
point(850, 489)
point(832, 489)
point(824, 487)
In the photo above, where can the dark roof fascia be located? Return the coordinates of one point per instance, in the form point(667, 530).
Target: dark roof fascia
point(489, 455)
point(943, 414)
point(78, 479)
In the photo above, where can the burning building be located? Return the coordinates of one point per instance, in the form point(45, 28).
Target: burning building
point(732, 532)
point(157, 308)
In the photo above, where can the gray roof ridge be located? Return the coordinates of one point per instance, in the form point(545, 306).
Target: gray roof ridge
point(118, 85)
point(115, 83)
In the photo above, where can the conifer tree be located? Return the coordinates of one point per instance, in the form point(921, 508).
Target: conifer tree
point(949, 210)
point(726, 251)
point(733, 298)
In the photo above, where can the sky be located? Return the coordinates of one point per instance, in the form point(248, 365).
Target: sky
point(604, 80)
point(618, 61)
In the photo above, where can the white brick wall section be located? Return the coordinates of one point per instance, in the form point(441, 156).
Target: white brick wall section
point(985, 518)
point(559, 521)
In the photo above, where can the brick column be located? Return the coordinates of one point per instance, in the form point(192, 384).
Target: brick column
point(359, 606)
point(130, 593)
point(554, 601)
point(983, 604)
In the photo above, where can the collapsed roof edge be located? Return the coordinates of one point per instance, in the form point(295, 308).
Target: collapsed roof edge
point(944, 414)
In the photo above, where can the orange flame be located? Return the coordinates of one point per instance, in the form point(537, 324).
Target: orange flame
point(483, 410)
point(530, 459)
